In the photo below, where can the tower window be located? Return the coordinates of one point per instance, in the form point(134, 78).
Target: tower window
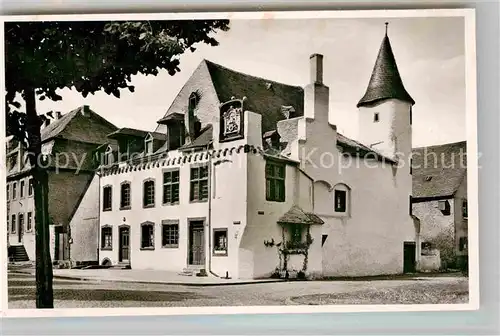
point(376, 117)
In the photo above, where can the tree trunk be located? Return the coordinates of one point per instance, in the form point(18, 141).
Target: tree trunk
point(44, 291)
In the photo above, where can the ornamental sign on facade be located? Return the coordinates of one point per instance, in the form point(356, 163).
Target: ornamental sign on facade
point(231, 120)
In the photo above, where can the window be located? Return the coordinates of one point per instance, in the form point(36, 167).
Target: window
point(107, 197)
point(220, 242)
point(30, 187)
point(340, 201)
point(108, 156)
point(148, 199)
point(21, 190)
point(147, 235)
point(14, 190)
point(148, 144)
point(29, 223)
point(275, 182)
point(106, 237)
point(170, 233)
point(465, 211)
point(21, 222)
point(199, 184)
point(8, 223)
point(376, 117)
point(410, 205)
point(8, 192)
point(193, 101)
point(462, 244)
point(13, 224)
point(296, 233)
point(445, 207)
point(125, 195)
point(171, 187)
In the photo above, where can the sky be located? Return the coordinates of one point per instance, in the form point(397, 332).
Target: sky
point(430, 54)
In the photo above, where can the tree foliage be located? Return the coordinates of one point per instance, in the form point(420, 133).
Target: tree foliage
point(91, 56)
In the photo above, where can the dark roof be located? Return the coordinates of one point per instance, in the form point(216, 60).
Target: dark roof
point(202, 140)
point(385, 81)
point(128, 132)
point(438, 170)
point(263, 96)
point(358, 148)
point(57, 126)
point(298, 216)
point(176, 116)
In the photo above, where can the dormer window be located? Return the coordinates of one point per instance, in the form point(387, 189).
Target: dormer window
point(148, 144)
point(193, 101)
point(108, 156)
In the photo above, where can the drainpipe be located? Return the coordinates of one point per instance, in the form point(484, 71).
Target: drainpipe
point(210, 211)
point(98, 217)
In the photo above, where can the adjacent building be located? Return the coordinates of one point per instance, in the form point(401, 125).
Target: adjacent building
point(440, 202)
point(68, 144)
point(246, 177)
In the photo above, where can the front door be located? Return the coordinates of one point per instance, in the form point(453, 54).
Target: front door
point(409, 257)
point(124, 249)
point(20, 230)
point(196, 243)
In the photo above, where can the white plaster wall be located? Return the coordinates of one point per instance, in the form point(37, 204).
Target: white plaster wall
point(370, 240)
point(431, 262)
point(84, 225)
point(22, 205)
point(174, 259)
point(392, 133)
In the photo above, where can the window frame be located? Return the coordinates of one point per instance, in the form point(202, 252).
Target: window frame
point(8, 191)
point(103, 238)
point(148, 141)
point(129, 205)
point(104, 202)
point(340, 188)
point(274, 180)
point(171, 185)
point(30, 187)
point(22, 185)
point(14, 190)
point(166, 223)
point(151, 240)
point(198, 198)
point(220, 253)
point(107, 154)
point(13, 224)
point(144, 182)
point(29, 221)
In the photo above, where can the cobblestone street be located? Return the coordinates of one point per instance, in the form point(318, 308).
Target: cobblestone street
point(92, 294)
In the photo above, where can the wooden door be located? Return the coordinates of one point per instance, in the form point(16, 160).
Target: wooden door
point(124, 248)
point(197, 243)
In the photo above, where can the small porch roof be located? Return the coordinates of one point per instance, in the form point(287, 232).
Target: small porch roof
point(298, 216)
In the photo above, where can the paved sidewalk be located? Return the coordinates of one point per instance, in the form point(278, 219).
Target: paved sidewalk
point(146, 276)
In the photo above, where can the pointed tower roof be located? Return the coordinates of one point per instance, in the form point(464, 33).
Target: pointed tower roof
point(385, 81)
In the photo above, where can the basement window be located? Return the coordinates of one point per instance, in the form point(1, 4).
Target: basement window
point(220, 242)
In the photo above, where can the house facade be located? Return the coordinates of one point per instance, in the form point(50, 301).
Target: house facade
point(440, 203)
point(246, 177)
point(68, 143)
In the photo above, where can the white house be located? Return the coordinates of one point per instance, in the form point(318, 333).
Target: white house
point(245, 177)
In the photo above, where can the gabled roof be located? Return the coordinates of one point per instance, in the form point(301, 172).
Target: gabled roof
point(438, 170)
point(56, 127)
point(358, 148)
point(128, 132)
point(298, 216)
point(264, 96)
point(385, 81)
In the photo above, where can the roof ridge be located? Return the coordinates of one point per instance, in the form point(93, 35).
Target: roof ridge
point(441, 145)
point(248, 75)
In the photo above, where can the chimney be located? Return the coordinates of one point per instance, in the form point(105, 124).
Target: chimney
point(316, 94)
point(316, 68)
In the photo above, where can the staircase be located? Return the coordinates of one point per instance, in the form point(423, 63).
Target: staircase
point(17, 253)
